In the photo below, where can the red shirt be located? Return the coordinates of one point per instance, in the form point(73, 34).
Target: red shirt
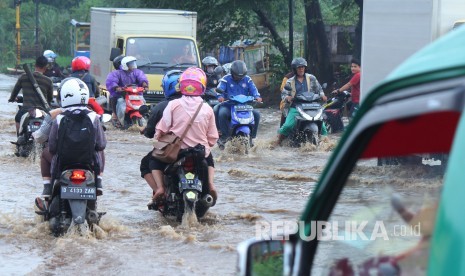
point(355, 88)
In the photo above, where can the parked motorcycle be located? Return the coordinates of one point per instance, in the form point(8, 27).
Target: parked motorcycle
point(131, 109)
point(309, 121)
point(333, 110)
point(186, 185)
point(242, 119)
point(73, 201)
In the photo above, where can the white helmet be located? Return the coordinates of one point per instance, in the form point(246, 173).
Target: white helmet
point(50, 55)
point(128, 62)
point(73, 91)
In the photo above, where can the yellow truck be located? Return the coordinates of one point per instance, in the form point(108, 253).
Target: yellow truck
point(156, 37)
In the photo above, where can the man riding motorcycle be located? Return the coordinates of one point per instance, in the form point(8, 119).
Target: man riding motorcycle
point(169, 84)
point(209, 64)
point(80, 67)
point(300, 83)
point(236, 83)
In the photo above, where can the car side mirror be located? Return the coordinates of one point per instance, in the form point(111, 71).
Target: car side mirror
point(114, 53)
point(261, 257)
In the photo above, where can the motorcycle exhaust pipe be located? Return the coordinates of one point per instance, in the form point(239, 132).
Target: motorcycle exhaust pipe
point(207, 200)
point(92, 217)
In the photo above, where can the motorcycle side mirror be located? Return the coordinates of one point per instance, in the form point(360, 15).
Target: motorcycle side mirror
point(219, 90)
point(324, 85)
point(287, 87)
point(106, 117)
point(219, 70)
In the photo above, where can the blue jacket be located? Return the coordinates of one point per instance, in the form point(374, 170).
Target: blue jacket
point(230, 87)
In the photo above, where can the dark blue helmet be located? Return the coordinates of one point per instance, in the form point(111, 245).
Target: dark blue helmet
point(169, 81)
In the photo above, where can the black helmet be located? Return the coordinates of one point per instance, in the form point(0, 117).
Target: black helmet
point(238, 69)
point(297, 62)
point(117, 61)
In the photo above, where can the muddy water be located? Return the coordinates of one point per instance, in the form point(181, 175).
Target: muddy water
point(264, 185)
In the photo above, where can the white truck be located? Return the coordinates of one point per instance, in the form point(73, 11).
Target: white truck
point(155, 37)
point(395, 29)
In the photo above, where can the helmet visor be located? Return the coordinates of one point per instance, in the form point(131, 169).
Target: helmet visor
point(132, 64)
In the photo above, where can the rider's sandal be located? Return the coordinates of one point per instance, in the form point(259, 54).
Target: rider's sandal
point(116, 123)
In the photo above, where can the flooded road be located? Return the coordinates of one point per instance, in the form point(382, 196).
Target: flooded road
point(265, 185)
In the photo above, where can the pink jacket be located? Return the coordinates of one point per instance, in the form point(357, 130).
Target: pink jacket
point(176, 117)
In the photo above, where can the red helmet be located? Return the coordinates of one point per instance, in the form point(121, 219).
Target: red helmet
point(80, 63)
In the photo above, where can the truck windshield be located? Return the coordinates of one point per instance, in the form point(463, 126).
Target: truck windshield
point(155, 55)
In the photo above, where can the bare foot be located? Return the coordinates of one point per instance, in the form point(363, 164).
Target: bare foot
point(159, 193)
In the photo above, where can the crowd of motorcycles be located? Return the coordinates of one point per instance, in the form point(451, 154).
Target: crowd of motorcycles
point(74, 198)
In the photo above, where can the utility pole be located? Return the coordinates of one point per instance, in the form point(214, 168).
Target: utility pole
point(291, 28)
point(37, 29)
point(18, 34)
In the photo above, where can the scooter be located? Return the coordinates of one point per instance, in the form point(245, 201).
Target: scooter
point(309, 121)
point(132, 108)
point(210, 97)
point(73, 201)
point(333, 110)
point(242, 119)
point(186, 186)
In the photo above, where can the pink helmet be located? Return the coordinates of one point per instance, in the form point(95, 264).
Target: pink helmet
point(193, 82)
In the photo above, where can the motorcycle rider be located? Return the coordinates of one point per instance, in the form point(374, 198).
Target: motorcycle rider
point(300, 83)
point(128, 75)
point(235, 83)
point(171, 91)
point(53, 69)
point(30, 97)
point(113, 94)
point(192, 85)
point(80, 66)
point(354, 85)
point(209, 64)
point(74, 96)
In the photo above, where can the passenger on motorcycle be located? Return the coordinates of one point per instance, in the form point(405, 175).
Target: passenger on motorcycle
point(236, 83)
point(110, 78)
point(80, 67)
point(128, 75)
point(300, 83)
point(192, 84)
point(53, 69)
point(74, 97)
point(169, 84)
point(209, 64)
point(30, 97)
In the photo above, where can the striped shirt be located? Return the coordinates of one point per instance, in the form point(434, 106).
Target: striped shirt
point(30, 97)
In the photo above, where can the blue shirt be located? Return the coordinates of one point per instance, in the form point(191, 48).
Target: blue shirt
point(230, 87)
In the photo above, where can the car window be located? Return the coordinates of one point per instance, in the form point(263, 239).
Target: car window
point(384, 216)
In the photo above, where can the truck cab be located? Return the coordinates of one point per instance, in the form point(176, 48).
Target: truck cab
point(156, 55)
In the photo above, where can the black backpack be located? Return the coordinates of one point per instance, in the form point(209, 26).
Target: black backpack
point(76, 141)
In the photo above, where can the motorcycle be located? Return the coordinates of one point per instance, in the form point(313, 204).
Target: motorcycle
point(131, 109)
point(333, 110)
point(56, 83)
point(309, 121)
point(73, 201)
point(242, 120)
point(30, 122)
point(186, 186)
point(210, 97)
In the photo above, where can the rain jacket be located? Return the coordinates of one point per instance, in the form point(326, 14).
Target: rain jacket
point(121, 78)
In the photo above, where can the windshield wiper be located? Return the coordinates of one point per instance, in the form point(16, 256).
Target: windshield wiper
point(179, 64)
point(151, 63)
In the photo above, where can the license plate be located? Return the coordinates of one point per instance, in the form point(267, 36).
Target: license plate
point(78, 192)
point(244, 108)
point(33, 128)
point(152, 92)
point(134, 97)
point(311, 106)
